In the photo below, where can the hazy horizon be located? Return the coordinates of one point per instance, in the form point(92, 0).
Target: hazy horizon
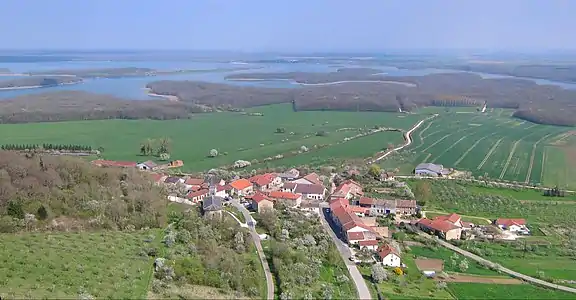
point(295, 27)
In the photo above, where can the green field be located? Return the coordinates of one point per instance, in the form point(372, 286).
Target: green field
point(63, 265)
point(445, 254)
point(504, 291)
point(494, 145)
point(234, 135)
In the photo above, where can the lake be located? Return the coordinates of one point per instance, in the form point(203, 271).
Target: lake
point(134, 88)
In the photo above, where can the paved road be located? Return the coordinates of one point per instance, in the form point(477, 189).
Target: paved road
point(361, 287)
point(256, 238)
point(505, 270)
point(407, 138)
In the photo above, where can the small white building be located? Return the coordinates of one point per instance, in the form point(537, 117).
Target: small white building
point(513, 225)
point(389, 256)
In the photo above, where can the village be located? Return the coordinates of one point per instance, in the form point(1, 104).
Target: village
point(357, 220)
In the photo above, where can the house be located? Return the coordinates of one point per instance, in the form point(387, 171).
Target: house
point(368, 244)
point(428, 169)
point(147, 165)
point(289, 187)
point(452, 218)
point(311, 191)
point(113, 163)
point(512, 225)
point(379, 207)
point(173, 180)
point(223, 190)
point(290, 199)
point(175, 164)
point(241, 187)
point(266, 182)
point(197, 196)
point(311, 178)
point(442, 228)
point(348, 189)
point(260, 202)
point(387, 176)
point(389, 256)
point(289, 175)
point(350, 226)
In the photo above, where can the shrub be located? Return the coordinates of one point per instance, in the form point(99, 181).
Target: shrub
point(213, 153)
point(398, 271)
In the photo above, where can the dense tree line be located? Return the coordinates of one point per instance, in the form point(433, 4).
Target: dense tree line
point(55, 193)
point(20, 147)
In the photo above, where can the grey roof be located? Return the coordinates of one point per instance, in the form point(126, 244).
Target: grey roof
point(431, 167)
point(212, 203)
point(385, 203)
point(149, 164)
point(172, 179)
point(309, 189)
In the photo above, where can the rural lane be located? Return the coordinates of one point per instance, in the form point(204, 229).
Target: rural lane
point(256, 238)
point(361, 287)
point(407, 138)
point(505, 270)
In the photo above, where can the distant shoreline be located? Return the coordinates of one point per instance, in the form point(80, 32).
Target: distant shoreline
point(167, 97)
point(36, 86)
point(408, 84)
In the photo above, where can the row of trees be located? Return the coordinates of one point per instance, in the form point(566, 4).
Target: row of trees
point(19, 147)
point(157, 147)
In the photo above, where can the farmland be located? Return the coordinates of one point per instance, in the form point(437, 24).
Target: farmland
point(65, 265)
point(504, 291)
point(234, 135)
point(496, 146)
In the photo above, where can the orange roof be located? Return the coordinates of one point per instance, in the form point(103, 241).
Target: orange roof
point(259, 197)
point(452, 218)
point(510, 222)
point(284, 195)
point(355, 236)
point(385, 250)
point(366, 200)
point(241, 184)
point(262, 179)
point(359, 209)
point(313, 177)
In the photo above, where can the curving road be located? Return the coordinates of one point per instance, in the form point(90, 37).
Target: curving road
point(407, 138)
point(256, 238)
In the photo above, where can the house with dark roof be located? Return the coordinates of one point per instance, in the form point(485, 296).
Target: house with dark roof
point(173, 180)
point(429, 169)
point(290, 174)
point(147, 165)
point(310, 191)
point(212, 204)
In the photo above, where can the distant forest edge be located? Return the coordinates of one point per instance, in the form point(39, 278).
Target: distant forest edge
point(356, 89)
point(38, 81)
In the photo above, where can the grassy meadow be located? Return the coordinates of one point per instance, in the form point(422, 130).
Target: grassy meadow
point(504, 291)
point(234, 135)
point(65, 265)
point(495, 145)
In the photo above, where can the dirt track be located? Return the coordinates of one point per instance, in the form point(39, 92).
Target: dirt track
point(481, 279)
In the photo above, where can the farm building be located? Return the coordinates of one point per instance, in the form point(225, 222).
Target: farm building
point(428, 169)
point(147, 165)
point(513, 225)
point(379, 207)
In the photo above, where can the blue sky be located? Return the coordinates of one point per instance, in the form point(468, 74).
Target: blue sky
point(290, 25)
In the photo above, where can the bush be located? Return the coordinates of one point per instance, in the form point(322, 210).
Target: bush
point(213, 153)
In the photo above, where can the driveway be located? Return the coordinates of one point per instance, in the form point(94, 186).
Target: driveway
point(256, 238)
point(361, 287)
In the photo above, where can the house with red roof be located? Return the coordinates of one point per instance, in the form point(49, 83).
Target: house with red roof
point(348, 189)
point(158, 178)
point(260, 202)
point(368, 244)
point(289, 199)
point(197, 196)
point(447, 227)
point(311, 178)
point(389, 256)
point(380, 207)
point(266, 182)
point(512, 225)
point(241, 187)
point(350, 226)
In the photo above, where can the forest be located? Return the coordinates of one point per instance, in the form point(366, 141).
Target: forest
point(43, 192)
point(38, 81)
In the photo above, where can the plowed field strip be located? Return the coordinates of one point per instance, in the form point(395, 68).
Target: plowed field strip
point(532, 157)
point(470, 149)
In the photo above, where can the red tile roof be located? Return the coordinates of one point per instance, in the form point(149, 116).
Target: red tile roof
point(452, 218)
point(157, 177)
point(262, 179)
point(355, 236)
point(113, 163)
point(316, 189)
point(368, 243)
point(313, 177)
point(359, 209)
point(241, 184)
point(197, 193)
point(194, 181)
point(226, 187)
point(284, 195)
point(440, 225)
point(386, 250)
point(259, 197)
point(339, 202)
point(366, 201)
point(510, 222)
point(289, 185)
